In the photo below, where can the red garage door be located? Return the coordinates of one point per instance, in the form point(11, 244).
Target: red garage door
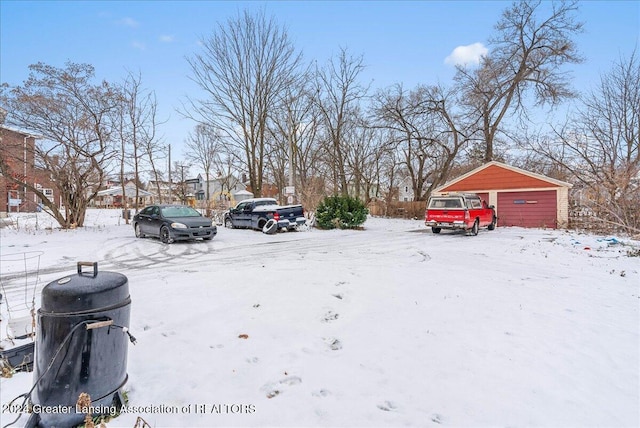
point(528, 209)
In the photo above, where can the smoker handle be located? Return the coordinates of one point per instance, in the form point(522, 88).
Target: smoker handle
point(94, 264)
point(99, 324)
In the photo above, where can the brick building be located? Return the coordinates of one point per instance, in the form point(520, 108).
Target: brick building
point(17, 152)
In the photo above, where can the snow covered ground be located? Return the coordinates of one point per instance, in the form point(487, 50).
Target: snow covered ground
point(388, 326)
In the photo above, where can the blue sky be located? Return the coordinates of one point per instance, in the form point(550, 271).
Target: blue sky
point(404, 42)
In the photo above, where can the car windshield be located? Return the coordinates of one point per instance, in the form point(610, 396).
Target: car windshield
point(439, 203)
point(179, 212)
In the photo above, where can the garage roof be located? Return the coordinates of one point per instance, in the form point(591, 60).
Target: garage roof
point(497, 175)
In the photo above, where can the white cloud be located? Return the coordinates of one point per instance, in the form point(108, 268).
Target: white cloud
point(470, 54)
point(138, 45)
point(128, 22)
point(167, 38)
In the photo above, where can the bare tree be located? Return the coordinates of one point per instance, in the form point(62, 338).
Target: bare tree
point(388, 164)
point(202, 147)
point(155, 153)
point(526, 57)
point(134, 126)
point(179, 175)
point(339, 93)
point(428, 134)
point(228, 175)
point(404, 114)
point(361, 158)
point(72, 116)
point(280, 147)
point(311, 172)
point(600, 146)
point(294, 126)
point(244, 68)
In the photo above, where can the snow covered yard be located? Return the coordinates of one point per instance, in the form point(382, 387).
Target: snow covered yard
point(388, 326)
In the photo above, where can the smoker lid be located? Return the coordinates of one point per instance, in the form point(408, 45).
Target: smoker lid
point(85, 292)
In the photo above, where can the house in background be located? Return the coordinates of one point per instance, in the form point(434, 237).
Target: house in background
point(17, 151)
point(405, 190)
point(161, 192)
point(222, 190)
point(111, 197)
point(241, 195)
point(522, 198)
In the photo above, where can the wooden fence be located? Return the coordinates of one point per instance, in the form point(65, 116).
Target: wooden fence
point(395, 209)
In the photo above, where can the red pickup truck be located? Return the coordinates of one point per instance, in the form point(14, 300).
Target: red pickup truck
point(463, 211)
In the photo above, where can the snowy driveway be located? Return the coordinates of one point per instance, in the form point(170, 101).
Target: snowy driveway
point(389, 326)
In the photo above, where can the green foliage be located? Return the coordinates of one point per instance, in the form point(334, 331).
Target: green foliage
point(343, 212)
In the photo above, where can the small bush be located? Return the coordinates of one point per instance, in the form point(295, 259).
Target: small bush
point(342, 212)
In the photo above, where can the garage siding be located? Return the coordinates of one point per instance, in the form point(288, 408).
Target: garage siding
point(497, 177)
point(528, 209)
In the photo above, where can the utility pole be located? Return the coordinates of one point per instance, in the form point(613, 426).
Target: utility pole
point(290, 191)
point(184, 188)
point(170, 187)
point(291, 141)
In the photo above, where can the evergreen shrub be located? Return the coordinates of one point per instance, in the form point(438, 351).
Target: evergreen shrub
point(341, 212)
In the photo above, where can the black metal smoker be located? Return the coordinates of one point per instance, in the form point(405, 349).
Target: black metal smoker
point(81, 346)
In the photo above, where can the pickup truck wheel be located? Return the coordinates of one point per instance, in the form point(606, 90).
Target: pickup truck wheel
point(475, 228)
point(493, 223)
point(228, 223)
point(436, 229)
point(270, 227)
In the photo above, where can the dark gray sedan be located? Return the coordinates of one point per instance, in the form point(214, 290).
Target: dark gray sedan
point(173, 223)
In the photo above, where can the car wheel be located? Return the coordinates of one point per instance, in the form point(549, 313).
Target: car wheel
point(475, 228)
point(165, 236)
point(436, 229)
point(228, 223)
point(139, 234)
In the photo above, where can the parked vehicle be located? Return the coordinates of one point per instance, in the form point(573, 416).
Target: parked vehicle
point(173, 223)
point(461, 211)
point(255, 213)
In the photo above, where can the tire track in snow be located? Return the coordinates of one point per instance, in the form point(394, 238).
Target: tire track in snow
point(140, 254)
point(145, 253)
